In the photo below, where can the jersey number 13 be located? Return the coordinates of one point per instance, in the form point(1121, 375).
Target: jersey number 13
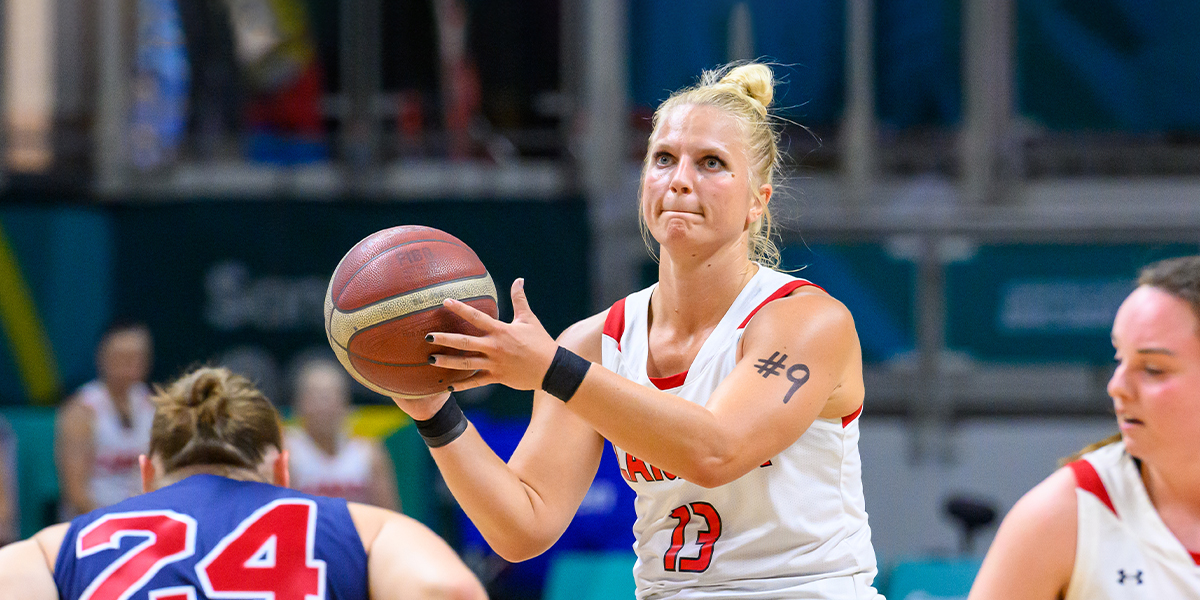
point(706, 538)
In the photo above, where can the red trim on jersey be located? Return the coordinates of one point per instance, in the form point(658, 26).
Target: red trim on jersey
point(1195, 557)
point(614, 323)
point(1089, 480)
point(784, 290)
point(848, 419)
point(669, 382)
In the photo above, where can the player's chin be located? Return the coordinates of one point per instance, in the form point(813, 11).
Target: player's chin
point(1138, 446)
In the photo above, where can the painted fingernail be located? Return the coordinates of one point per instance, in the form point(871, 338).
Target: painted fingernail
point(432, 359)
point(429, 337)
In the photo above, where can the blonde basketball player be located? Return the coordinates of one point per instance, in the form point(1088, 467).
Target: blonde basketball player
point(729, 389)
point(1124, 520)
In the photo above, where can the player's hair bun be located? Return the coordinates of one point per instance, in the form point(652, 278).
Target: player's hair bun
point(207, 398)
point(754, 81)
point(211, 416)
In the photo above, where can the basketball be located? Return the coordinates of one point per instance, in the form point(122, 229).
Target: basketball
point(386, 294)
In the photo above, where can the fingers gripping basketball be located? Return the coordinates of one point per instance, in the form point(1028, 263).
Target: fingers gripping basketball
point(386, 295)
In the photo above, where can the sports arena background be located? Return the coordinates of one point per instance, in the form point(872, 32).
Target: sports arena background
point(978, 180)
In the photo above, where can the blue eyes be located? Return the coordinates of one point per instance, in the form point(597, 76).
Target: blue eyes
point(710, 163)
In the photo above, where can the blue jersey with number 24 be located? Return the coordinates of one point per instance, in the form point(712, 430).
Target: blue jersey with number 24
point(210, 537)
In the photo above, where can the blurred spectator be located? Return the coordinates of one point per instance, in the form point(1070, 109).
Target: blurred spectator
point(9, 531)
point(103, 427)
point(277, 57)
point(325, 459)
point(161, 83)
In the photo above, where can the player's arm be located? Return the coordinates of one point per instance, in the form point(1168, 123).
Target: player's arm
point(753, 415)
point(383, 491)
point(75, 454)
point(26, 566)
point(405, 560)
point(796, 352)
point(521, 508)
point(1033, 553)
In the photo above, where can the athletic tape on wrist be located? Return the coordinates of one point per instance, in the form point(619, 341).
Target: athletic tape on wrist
point(444, 426)
point(565, 374)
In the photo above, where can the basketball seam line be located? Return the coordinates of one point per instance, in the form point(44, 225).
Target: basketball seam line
point(471, 288)
point(387, 364)
point(412, 291)
point(389, 249)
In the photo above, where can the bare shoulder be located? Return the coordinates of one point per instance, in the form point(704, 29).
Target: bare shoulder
point(583, 338)
point(371, 521)
point(74, 407)
point(24, 573)
point(49, 540)
point(1047, 516)
point(809, 304)
point(406, 559)
point(368, 520)
point(1033, 554)
point(1052, 500)
point(807, 313)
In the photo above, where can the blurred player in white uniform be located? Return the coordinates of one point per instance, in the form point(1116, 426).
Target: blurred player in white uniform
point(326, 460)
point(1123, 521)
point(102, 428)
point(730, 389)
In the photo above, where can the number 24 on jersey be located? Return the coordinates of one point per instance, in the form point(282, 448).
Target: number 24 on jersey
point(269, 554)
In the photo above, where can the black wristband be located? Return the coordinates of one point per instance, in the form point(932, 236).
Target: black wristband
point(565, 374)
point(444, 426)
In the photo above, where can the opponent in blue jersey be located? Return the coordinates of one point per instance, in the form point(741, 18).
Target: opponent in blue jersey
point(212, 525)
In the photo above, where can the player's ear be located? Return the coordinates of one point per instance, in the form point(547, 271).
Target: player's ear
point(281, 476)
point(760, 202)
point(148, 474)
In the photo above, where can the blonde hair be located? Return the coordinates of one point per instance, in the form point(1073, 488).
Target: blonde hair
point(211, 416)
point(744, 91)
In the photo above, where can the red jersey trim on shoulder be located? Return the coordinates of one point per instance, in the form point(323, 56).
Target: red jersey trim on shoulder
point(614, 323)
point(848, 419)
point(784, 290)
point(669, 382)
point(1089, 480)
point(1195, 557)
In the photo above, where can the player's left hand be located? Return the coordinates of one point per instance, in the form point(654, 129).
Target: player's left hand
point(515, 354)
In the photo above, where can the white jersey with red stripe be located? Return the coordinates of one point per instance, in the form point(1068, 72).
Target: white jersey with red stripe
point(1123, 549)
point(346, 474)
point(115, 475)
point(796, 527)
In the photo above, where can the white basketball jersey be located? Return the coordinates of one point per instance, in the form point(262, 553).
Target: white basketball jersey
point(346, 474)
point(796, 527)
point(1124, 550)
point(115, 473)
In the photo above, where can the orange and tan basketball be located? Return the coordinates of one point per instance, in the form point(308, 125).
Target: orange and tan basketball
point(387, 293)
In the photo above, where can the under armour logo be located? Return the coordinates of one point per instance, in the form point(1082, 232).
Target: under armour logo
point(1137, 576)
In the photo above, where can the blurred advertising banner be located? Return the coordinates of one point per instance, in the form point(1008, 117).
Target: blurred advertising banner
point(241, 283)
point(55, 298)
point(1043, 302)
point(1123, 65)
point(1005, 302)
